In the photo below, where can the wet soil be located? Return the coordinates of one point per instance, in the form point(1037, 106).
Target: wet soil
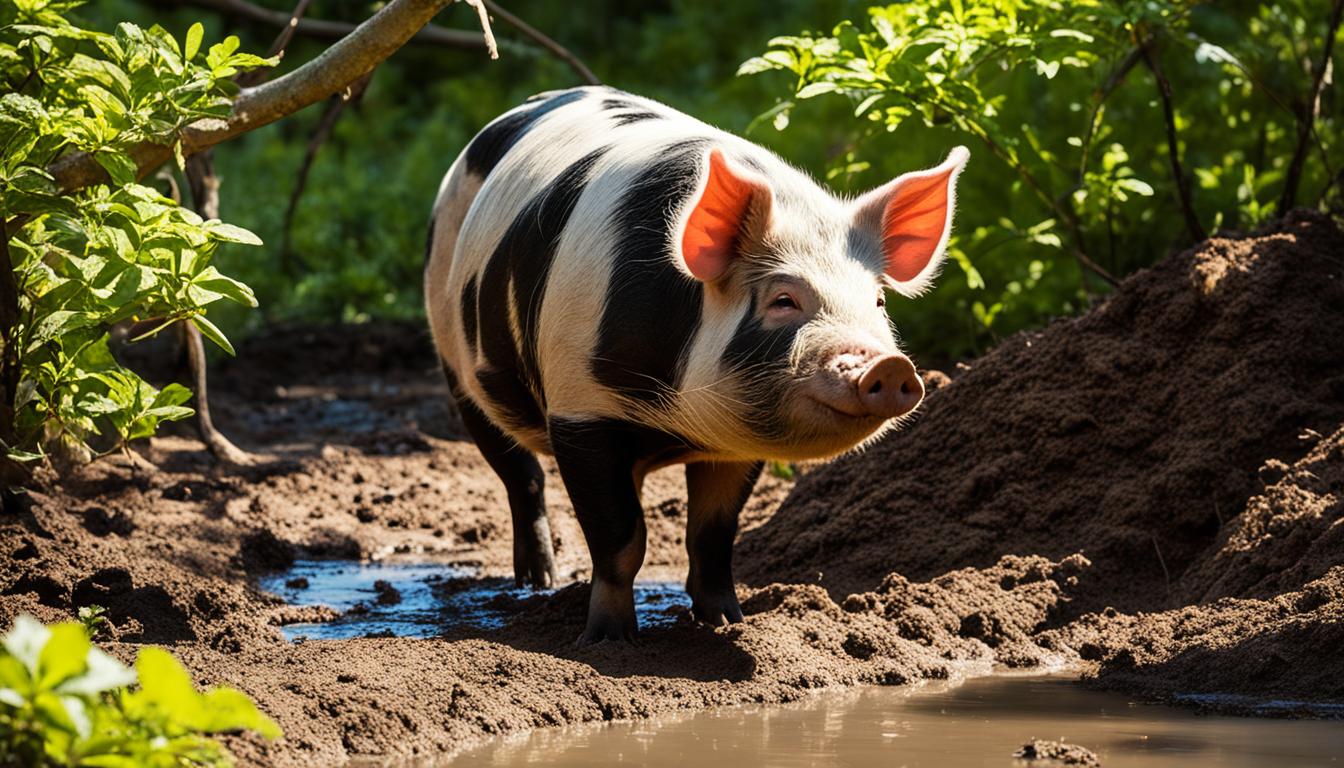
point(1152, 490)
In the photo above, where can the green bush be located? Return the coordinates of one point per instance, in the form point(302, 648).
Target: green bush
point(112, 252)
point(1066, 103)
point(1035, 81)
point(64, 702)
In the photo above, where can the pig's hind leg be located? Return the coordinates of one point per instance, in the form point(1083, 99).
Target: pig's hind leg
point(597, 462)
point(533, 553)
point(716, 493)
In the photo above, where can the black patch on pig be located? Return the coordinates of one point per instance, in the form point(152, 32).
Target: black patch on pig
point(496, 139)
point(470, 312)
point(429, 245)
point(635, 117)
point(615, 103)
point(652, 308)
point(523, 258)
point(596, 458)
point(761, 357)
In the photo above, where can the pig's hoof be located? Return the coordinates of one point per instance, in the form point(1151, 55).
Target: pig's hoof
point(534, 558)
point(600, 629)
point(716, 608)
point(535, 568)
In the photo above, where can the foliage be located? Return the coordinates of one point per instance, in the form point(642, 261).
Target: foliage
point(64, 702)
point(1047, 89)
point(115, 252)
point(1236, 68)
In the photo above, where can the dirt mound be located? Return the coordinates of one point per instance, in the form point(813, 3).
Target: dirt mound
point(1187, 437)
point(1134, 433)
point(1286, 548)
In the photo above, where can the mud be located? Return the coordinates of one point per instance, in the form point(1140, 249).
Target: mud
point(1152, 490)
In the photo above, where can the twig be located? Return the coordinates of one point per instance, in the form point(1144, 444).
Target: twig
point(1099, 97)
point(1306, 117)
point(335, 106)
point(484, 16)
point(204, 186)
point(9, 355)
point(1192, 224)
point(1162, 562)
point(278, 48)
point(541, 39)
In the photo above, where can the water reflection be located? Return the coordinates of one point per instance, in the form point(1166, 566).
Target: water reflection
point(979, 723)
point(410, 599)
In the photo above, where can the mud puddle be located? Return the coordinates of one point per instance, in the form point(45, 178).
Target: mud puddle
point(975, 724)
point(410, 599)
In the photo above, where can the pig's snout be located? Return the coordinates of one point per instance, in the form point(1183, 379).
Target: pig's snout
point(889, 387)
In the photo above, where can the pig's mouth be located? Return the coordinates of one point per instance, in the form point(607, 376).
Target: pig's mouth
point(852, 411)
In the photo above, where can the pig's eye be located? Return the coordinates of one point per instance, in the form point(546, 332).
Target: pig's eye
point(783, 301)
point(881, 300)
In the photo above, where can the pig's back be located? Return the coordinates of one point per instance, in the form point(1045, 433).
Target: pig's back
point(551, 286)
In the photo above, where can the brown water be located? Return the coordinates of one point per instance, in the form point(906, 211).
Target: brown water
point(977, 724)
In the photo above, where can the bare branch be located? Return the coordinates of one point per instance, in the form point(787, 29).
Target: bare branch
point(1099, 97)
point(490, 46)
point(334, 69)
point(541, 39)
point(1183, 195)
point(1306, 117)
point(335, 106)
point(256, 77)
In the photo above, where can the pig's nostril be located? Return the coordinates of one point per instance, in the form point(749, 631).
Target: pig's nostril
point(905, 387)
point(876, 388)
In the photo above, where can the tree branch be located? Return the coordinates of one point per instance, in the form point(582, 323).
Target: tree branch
point(334, 69)
point(335, 106)
point(541, 39)
point(1306, 117)
point(1183, 195)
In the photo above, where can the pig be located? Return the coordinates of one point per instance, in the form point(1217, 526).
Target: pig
point(621, 286)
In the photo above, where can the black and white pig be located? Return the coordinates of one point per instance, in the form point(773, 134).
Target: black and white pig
point(620, 285)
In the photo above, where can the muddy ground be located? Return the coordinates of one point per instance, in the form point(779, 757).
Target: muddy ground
point(1153, 492)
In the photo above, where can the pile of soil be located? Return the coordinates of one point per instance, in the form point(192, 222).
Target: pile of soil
point(1184, 436)
point(1153, 490)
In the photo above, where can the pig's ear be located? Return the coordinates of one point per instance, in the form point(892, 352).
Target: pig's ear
point(729, 206)
point(912, 216)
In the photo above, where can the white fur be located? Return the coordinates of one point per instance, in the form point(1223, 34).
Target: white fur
point(812, 229)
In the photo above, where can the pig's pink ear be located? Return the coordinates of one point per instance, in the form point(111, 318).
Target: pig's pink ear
point(912, 216)
point(718, 220)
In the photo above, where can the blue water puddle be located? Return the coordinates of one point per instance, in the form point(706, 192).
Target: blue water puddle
point(433, 598)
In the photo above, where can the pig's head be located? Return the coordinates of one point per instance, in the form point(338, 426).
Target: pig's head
point(796, 344)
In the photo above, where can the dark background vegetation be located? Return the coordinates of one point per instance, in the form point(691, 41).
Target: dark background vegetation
point(355, 249)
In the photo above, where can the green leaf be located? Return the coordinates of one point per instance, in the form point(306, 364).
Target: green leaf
point(63, 654)
point(229, 709)
point(230, 233)
point(193, 41)
point(212, 333)
point(166, 684)
point(119, 167)
point(816, 89)
point(223, 285)
point(1136, 186)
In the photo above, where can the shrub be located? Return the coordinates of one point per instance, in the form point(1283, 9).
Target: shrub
point(113, 252)
point(64, 702)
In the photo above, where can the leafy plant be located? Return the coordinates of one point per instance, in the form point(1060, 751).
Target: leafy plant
point(110, 253)
point(1104, 169)
point(64, 702)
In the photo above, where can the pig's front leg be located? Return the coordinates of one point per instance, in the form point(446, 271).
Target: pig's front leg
point(716, 492)
point(597, 463)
